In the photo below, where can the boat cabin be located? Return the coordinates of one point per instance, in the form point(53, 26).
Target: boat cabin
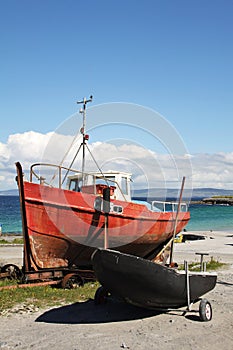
point(94, 183)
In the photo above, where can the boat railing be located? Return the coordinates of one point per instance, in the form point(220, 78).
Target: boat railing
point(41, 178)
point(168, 206)
point(61, 177)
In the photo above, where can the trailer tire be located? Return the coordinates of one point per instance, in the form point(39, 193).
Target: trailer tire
point(13, 270)
point(205, 310)
point(101, 295)
point(71, 281)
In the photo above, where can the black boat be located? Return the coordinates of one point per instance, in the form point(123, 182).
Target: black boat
point(148, 284)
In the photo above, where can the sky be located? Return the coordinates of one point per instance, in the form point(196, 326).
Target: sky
point(174, 57)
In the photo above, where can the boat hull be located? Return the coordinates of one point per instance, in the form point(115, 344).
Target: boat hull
point(148, 284)
point(62, 228)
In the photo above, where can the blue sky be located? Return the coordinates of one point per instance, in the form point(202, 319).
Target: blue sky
point(175, 57)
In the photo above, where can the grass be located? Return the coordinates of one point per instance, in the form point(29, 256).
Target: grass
point(211, 265)
point(44, 296)
point(14, 241)
point(230, 197)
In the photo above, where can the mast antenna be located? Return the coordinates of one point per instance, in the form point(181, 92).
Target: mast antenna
point(84, 145)
point(83, 129)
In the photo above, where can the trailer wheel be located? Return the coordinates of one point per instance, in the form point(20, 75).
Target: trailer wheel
point(14, 271)
point(205, 310)
point(101, 295)
point(71, 281)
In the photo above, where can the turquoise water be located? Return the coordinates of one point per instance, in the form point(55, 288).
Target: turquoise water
point(210, 217)
point(10, 217)
point(203, 217)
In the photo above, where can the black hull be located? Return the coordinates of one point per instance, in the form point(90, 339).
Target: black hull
point(147, 284)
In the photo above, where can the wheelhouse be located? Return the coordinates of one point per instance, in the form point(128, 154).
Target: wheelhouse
point(94, 183)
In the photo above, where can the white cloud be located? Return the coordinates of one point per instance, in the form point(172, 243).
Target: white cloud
point(213, 170)
point(148, 167)
point(27, 148)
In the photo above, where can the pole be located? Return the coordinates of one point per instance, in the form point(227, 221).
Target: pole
point(83, 130)
point(106, 210)
point(187, 284)
point(176, 220)
point(84, 141)
point(106, 231)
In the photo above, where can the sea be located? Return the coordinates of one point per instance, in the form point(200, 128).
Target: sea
point(203, 217)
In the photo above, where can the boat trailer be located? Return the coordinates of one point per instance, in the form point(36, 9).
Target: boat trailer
point(205, 309)
point(66, 278)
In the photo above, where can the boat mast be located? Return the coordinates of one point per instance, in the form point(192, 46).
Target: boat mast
point(84, 144)
point(83, 130)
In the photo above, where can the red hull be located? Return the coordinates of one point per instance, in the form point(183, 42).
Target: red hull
point(63, 228)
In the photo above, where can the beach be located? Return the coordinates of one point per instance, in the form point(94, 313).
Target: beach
point(218, 244)
point(118, 325)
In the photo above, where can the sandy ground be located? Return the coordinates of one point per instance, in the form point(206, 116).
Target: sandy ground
point(11, 254)
point(117, 325)
point(217, 244)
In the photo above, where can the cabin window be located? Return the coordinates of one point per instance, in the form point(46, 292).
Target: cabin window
point(110, 181)
point(124, 185)
point(74, 185)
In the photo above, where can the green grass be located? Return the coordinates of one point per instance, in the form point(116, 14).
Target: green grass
point(3, 241)
point(230, 197)
point(44, 296)
point(14, 241)
point(211, 265)
point(7, 282)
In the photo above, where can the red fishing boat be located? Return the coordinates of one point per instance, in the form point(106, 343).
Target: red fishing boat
point(63, 225)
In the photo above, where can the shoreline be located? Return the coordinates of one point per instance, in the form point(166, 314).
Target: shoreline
point(217, 244)
point(230, 229)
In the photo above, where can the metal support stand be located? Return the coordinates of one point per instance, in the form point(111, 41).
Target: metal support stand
point(187, 285)
point(202, 265)
point(176, 220)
